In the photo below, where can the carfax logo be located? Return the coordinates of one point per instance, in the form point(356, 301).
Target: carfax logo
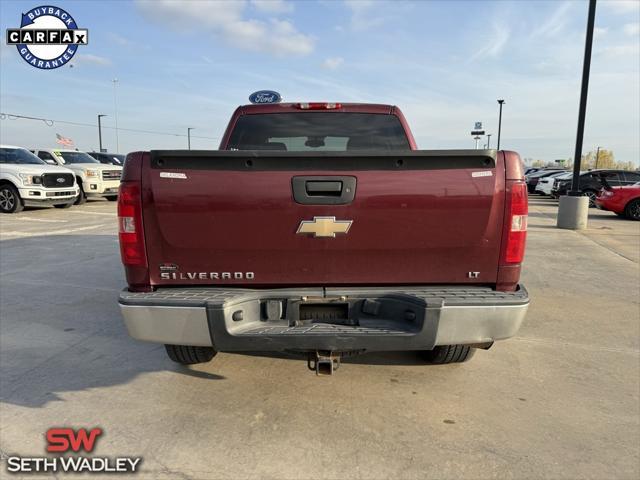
point(48, 37)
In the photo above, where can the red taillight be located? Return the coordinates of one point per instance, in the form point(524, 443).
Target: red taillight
point(518, 208)
point(319, 106)
point(130, 225)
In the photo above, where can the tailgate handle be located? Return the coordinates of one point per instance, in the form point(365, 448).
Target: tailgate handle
point(323, 190)
point(323, 187)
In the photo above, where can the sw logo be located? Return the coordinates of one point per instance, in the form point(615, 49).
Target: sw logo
point(48, 37)
point(65, 439)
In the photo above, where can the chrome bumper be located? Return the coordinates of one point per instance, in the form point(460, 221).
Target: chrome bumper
point(411, 318)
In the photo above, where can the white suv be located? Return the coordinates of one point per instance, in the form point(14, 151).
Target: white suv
point(94, 178)
point(25, 180)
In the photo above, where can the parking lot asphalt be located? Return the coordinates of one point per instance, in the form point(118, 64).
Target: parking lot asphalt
point(561, 400)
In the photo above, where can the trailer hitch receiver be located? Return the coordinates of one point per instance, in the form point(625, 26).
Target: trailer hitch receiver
point(324, 363)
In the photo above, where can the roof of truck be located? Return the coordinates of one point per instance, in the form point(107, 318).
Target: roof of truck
point(295, 107)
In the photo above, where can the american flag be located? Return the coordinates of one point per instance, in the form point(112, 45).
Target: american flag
point(67, 142)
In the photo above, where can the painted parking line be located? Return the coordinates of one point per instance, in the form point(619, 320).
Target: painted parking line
point(54, 232)
point(43, 220)
point(85, 212)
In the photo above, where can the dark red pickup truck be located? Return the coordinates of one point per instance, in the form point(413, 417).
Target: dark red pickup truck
point(319, 229)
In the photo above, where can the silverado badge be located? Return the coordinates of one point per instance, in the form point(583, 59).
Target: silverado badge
point(325, 227)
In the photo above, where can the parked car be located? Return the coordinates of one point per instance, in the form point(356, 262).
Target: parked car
point(27, 181)
point(108, 158)
point(93, 178)
point(545, 184)
point(624, 201)
point(530, 170)
point(591, 182)
point(342, 264)
point(532, 179)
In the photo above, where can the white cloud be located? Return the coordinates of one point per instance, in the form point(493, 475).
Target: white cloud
point(600, 31)
point(273, 6)
point(622, 6)
point(361, 17)
point(226, 19)
point(89, 59)
point(332, 62)
point(495, 44)
point(631, 29)
point(555, 23)
point(632, 49)
point(119, 40)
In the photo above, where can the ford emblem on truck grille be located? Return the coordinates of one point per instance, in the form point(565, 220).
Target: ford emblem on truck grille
point(60, 180)
point(325, 227)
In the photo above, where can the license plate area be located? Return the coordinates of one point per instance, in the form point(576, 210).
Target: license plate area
point(333, 312)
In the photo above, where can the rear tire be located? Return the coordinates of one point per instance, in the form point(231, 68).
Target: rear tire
point(443, 354)
point(82, 197)
point(10, 201)
point(592, 194)
point(189, 355)
point(112, 198)
point(632, 210)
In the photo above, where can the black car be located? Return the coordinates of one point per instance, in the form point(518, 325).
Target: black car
point(532, 178)
point(108, 158)
point(591, 182)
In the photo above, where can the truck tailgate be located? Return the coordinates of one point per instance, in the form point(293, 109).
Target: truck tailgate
point(233, 218)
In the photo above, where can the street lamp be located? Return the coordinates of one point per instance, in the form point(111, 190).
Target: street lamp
point(573, 209)
point(489, 140)
point(500, 102)
point(100, 131)
point(115, 104)
point(189, 136)
point(597, 156)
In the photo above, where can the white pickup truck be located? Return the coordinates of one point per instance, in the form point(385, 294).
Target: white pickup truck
point(25, 180)
point(93, 178)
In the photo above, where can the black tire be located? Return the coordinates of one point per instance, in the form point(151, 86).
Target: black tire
point(10, 201)
point(65, 205)
point(82, 197)
point(112, 198)
point(443, 354)
point(592, 194)
point(632, 210)
point(188, 355)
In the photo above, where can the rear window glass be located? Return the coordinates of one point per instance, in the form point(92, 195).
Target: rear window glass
point(318, 131)
point(76, 157)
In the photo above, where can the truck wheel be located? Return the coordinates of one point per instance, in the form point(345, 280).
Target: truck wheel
point(65, 205)
point(10, 201)
point(632, 210)
point(112, 198)
point(188, 355)
point(448, 354)
point(82, 197)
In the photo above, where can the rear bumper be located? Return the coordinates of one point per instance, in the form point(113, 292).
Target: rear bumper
point(411, 318)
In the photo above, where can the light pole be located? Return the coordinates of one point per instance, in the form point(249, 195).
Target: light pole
point(573, 209)
point(500, 102)
point(100, 131)
point(189, 137)
point(597, 156)
point(115, 104)
point(489, 140)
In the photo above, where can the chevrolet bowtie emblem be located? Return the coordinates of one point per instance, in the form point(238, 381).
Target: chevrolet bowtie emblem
point(326, 227)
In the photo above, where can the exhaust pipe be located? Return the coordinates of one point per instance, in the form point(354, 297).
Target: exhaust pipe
point(324, 363)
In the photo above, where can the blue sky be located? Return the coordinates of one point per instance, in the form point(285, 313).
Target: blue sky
point(189, 64)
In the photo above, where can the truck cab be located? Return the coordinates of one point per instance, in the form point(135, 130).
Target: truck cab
point(94, 179)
